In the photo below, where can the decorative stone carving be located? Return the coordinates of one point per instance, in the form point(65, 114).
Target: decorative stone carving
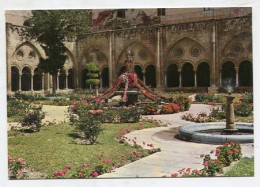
point(32, 56)
point(178, 52)
point(19, 55)
point(195, 51)
point(100, 57)
point(143, 54)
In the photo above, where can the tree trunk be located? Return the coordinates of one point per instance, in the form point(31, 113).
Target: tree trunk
point(54, 84)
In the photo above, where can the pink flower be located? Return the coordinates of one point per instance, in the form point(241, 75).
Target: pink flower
point(198, 172)
point(141, 124)
point(94, 174)
point(67, 167)
point(206, 163)
point(230, 152)
point(109, 159)
point(212, 151)
point(116, 166)
point(235, 150)
point(174, 175)
point(202, 155)
point(82, 175)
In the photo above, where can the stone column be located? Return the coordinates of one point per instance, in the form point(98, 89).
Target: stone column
point(158, 58)
point(32, 82)
point(58, 82)
point(20, 82)
point(144, 77)
point(180, 84)
point(42, 82)
point(66, 78)
point(9, 77)
point(237, 81)
point(214, 54)
point(110, 61)
point(195, 77)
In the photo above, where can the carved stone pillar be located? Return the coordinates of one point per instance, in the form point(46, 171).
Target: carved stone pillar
point(58, 80)
point(195, 77)
point(32, 81)
point(180, 84)
point(66, 78)
point(43, 82)
point(237, 81)
point(20, 82)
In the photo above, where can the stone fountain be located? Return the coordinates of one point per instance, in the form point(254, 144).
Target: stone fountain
point(219, 132)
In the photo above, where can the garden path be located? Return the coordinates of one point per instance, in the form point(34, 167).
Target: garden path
point(175, 154)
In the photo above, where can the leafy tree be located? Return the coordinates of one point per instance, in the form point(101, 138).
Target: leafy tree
point(51, 28)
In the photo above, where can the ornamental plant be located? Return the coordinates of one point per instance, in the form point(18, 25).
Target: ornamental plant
point(89, 123)
point(243, 108)
point(183, 101)
point(32, 120)
point(16, 168)
point(150, 109)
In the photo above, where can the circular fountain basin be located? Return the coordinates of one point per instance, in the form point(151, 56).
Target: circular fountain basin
point(211, 133)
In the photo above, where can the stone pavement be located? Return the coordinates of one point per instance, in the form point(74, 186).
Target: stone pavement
point(175, 154)
point(53, 114)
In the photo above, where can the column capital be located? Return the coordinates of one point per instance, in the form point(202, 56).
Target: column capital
point(179, 70)
point(236, 68)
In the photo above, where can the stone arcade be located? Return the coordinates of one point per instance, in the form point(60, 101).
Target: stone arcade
point(190, 49)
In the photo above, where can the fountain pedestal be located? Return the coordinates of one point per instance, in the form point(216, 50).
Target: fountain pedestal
point(230, 115)
point(132, 96)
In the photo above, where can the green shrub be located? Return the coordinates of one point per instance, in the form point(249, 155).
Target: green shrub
point(243, 108)
point(217, 113)
point(205, 98)
point(247, 98)
point(16, 107)
point(89, 123)
point(183, 101)
point(150, 109)
point(32, 120)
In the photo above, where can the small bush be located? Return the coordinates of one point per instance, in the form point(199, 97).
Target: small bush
point(150, 109)
point(16, 168)
point(89, 124)
point(183, 101)
point(32, 119)
point(243, 108)
point(209, 98)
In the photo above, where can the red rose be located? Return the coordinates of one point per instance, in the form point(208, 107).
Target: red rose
point(174, 175)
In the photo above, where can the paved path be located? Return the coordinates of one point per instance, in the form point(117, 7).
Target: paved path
point(175, 154)
point(53, 114)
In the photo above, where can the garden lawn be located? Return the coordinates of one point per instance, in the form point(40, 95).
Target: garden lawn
point(54, 147)
point(243, 168)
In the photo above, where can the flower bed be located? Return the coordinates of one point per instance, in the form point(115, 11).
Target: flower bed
point(16, 168)
point(225, 155)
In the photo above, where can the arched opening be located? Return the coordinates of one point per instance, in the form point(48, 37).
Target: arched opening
point(14, 78)
point(84, 78)
point(37, 80)
point(150, 76)
point(105, 77)
point(139, 71)
point(70, 79)
point(62, 79)
point(122, 70)
point(203, 75)
point(245, 73)
point(172, 76)
point(187, 74)
point(26, 79)
point(228, 73)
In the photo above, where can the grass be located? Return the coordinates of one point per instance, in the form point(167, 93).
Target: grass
point(13, 119)
point(54, 146)
point(243, 168)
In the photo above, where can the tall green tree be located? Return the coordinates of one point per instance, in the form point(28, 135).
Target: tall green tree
point(93, 76)
point(51, 28)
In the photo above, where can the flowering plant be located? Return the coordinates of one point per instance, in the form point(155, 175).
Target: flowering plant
point(32, 119)
point(16, 168)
